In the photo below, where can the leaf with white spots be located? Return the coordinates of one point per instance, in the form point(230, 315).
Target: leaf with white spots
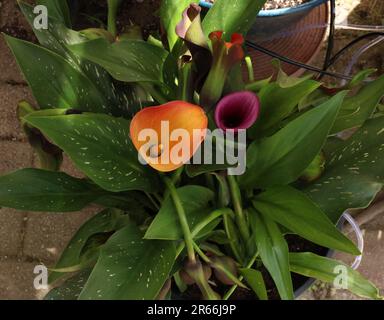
point(100, 146)
point(70, 289)
point(166, 225)
point(54, 81)
point(58, 9)
point(41, 190)
point(126, 60)
point(281, 158)
point(130, 268)
point(354, 172)
point(58, 38)
point(105, 221)
point(359, 107)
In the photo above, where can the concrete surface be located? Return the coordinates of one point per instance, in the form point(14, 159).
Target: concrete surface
point(28, 239)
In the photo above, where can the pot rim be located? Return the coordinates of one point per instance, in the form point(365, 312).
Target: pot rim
point(279, 12)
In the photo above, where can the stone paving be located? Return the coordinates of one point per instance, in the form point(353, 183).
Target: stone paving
point(28, 238)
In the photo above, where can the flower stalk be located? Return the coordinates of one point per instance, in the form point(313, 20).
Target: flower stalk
point(188, 239)
point(238, 208)
point(113, 6)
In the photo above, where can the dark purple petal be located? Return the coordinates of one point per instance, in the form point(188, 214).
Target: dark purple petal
point(238, 110)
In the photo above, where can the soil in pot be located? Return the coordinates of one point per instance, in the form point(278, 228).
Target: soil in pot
point(295, 243)
point(278, 4)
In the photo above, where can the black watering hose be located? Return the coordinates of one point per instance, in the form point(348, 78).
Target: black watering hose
point(331, 38)
point(296, 63)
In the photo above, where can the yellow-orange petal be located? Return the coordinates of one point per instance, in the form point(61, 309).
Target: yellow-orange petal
point(167, 136)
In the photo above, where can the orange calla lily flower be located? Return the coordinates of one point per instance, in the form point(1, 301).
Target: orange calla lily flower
point(167, 136)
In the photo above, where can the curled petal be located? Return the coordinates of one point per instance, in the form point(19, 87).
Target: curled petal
point(167, 136)
point(189, 28)
point(238, 110)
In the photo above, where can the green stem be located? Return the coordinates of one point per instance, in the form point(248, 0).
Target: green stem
point(175, 179)
point(201, 281)
point(204, 287)
point(239, 214)
point(201, 253)
point(248, 62)
point(113, 6)
point(201, 225)
point(234, 287)
point(188, 239)
point(186, 86)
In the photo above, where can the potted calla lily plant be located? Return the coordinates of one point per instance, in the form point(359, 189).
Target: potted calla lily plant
point(211, 186)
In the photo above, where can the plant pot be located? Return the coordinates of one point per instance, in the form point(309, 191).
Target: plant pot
point(270, 22)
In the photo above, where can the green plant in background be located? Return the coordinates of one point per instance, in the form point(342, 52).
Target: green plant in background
point(164, 229)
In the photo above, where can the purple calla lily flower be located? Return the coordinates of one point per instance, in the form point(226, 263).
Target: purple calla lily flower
point(238, 110)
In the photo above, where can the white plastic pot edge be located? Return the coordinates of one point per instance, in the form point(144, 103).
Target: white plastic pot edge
point(359, 235)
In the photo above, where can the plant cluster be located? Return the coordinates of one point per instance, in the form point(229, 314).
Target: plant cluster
point(170, 227)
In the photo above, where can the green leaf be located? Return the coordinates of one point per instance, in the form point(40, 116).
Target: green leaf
point(41, 190)
point(105, 221)
point(50, 156)
point(232, 16)
point(166, 225)
point(325, 269)
point(273, 251)
point(70, 289)
point(295, 211)
point(126, 60)
point(54, 81)
point(359, 107)
point(49, 38)
point(130, 268)
point(278, 102)
point(100, 146)
point(354, 172)
point(281, 158)
point(360, 77)
point(58, 39)
point(255, 280)
point(58, 9)
point(170, 15)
